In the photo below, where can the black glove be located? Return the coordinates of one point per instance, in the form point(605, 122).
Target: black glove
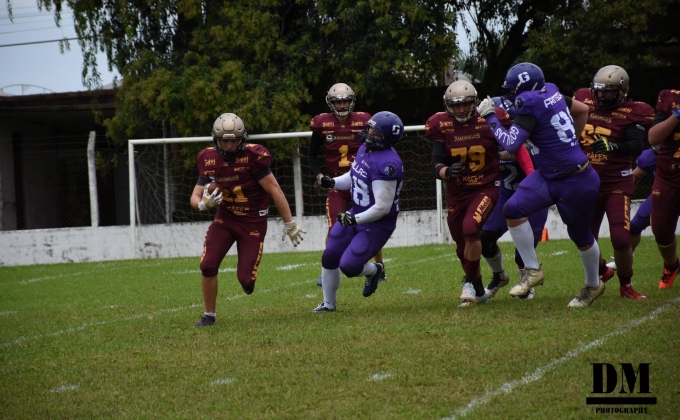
point(325, 182)
point(346, 218)
point(454, 170)
point(602, 145)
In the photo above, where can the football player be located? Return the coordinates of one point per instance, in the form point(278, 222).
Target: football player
point(337, 132)
point(615, 133)
point(374, 181)
point(665, 135)
point(563, 174)
point(465, 154)
point(514, 168)
point(242, 201)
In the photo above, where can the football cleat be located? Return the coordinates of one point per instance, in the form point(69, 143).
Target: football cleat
point(530, 277)
point(530, 295)
point(371, 283)
point(206, 321)
point(383, 276)
point(318, 282)
point(587, 295)
point(498, 280)
point(469, 296)
point(668, 278)
point(323, 307)
point(612, 265)
point(607, 274)
point(628, 292)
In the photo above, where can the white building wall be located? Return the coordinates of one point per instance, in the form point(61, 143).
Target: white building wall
point(51, 246)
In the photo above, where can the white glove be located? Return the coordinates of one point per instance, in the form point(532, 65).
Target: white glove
point(210, 201)
point(486, 107)
point(294, 232)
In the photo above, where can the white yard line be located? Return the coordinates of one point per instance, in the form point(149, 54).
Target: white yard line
point(508, 387)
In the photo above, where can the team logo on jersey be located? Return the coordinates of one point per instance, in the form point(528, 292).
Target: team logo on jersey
point(243, 159)
point(264, 212)
point(329, 138)
point(240, 169)
point(328, 124)
point(209, 173)
point(255, 234)
point(445, 123)
point(357, 123)
point(209, 162)
point(227, 178)
point(262, 155)
point(519, 103)
point(350, 137)
point(390, 170)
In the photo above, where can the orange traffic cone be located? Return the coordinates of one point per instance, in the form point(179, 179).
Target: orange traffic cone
point(544, 236)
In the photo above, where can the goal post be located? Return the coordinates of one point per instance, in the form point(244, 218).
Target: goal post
point(162, 175)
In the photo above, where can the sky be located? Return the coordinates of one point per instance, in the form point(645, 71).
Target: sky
point(41, 64)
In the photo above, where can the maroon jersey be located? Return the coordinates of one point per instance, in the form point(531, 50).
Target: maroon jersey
point(668, 159)
point(615, 170)
point(470, 142)
point(243, 198)
point(341, 140)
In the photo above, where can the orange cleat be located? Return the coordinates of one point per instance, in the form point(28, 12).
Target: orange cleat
point(668, 278)
point(628, 292)
point(607, 274)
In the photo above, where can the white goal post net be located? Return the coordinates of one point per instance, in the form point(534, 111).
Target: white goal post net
point(163, 175)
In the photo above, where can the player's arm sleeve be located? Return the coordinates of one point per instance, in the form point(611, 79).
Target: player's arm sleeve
point(438, 158)
point(511, 139)
point(343, 182)
point(636, 135)
point(384, 192)
point(524, 160)
point(262, 173)
point(202, 181)
point(569, 101)
point(313, 152)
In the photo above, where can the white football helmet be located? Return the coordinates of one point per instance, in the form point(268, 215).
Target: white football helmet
point(229, 126)
point(340, 92)
point(461, 92)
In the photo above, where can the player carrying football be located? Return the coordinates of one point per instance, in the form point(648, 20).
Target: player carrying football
point(242, 171)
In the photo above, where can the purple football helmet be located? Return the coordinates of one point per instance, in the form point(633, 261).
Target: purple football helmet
point(523, 77)
point(382, 131)
point(506, 104)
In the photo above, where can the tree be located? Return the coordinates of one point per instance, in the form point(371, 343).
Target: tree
point(628, 33)
point(569, 40)
point(184, 62)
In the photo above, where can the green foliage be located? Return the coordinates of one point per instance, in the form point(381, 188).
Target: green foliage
point(185, 62)
point(627, 33)
point(115, 340)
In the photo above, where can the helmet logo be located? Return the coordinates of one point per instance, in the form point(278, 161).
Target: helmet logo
point(396, 130)
point(523, 77)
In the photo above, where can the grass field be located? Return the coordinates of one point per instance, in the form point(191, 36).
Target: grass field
point(116, 340)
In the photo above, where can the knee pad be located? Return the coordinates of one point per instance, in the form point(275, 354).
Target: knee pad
point(209, 271)
point(511, 210)
point(489, 243)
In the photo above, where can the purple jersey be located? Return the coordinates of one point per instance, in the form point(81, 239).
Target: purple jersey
point(647, 162)
point(369, 166)
point(553, 141)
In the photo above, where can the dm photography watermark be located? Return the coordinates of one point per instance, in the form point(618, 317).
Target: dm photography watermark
point(632, 397)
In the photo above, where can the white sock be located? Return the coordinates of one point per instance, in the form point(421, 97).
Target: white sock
point(496, 263)
point(523, 237)
point(369, 269)
point(330, 280)
point(591, 265)
point(212, 314)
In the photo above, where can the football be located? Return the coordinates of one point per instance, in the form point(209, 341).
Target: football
point(211, 187)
